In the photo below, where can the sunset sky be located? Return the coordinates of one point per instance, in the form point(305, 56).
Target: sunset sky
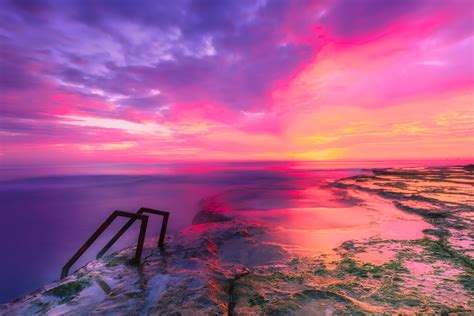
point(144, 81)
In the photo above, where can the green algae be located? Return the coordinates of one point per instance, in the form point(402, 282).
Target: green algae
point(350, 266)
point(431, 216)
point(257, 299)
point(116, 261)
point(365, 270)
point(320, 269)
point(66, 292)
point(467, 280)
point(440, 233)
point(395, 266)
point(389, 292)
point(286, 277)
point(441, 250)
point(264, 296)
point(294, 261)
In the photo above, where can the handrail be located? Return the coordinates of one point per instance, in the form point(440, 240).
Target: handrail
point(100, 230)
point(141, 237)
point(161, 241)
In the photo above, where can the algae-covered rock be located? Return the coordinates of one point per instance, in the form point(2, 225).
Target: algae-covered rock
point(68, 290)
point(208, 216)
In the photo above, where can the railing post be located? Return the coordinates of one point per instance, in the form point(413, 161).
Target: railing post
point(141, 240)
point(115, 238)
point(164, 225)
point(87, 244)
point(100, 230)
point(127, 225)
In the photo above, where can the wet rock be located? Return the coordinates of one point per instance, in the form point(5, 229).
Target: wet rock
point(469, 167)
point(440, 233)
point(208, 216)
point(67, 291)
point(348, 245)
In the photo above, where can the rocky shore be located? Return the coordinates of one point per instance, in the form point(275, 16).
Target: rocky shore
point(227, 264)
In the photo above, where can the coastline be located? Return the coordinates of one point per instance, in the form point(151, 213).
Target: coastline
point(225, 264)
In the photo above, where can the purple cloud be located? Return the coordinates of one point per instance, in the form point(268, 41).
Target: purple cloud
point(128, 60)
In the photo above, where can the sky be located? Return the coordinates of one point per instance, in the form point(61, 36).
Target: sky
point(146, 81)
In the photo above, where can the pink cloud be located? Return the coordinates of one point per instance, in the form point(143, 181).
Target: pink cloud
point(289, 80)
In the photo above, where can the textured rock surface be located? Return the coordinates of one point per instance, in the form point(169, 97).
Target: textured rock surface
point(228, 265)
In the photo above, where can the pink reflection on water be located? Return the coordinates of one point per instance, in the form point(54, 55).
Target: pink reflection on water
point(320, 218)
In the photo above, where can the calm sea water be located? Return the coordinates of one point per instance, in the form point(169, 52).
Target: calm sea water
point(49, 211)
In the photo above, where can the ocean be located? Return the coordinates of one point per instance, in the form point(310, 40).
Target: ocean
point(49, 211)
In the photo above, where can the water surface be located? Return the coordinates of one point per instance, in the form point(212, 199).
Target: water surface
point(49, 211)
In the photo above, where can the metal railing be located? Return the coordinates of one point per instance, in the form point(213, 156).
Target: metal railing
point(141, 237)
